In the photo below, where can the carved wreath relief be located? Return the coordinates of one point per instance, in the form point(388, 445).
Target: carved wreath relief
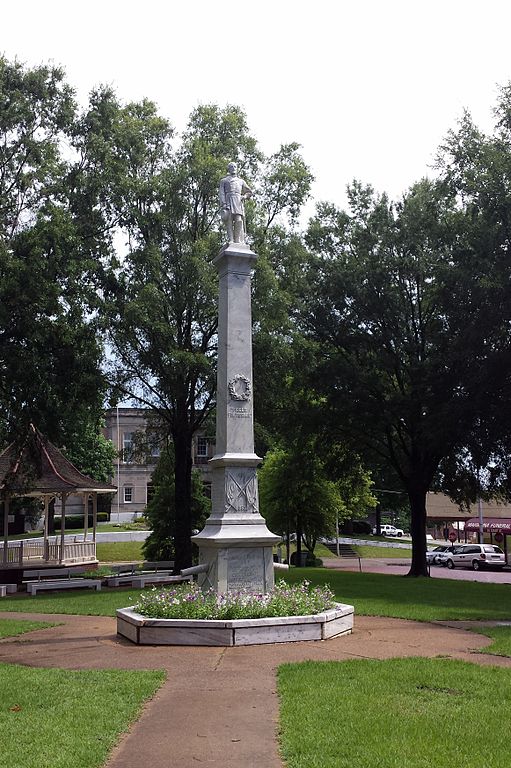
point(241, 494)
point(240, 387)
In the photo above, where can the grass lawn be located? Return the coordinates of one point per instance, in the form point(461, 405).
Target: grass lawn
point(413, 713)
point(363, 550)
point(119, 551)
point(53, 718)
point(372, 594)
point(425, 599)
point(367, 551)
point(501, 636)
point(13, 627)
point(84, 602)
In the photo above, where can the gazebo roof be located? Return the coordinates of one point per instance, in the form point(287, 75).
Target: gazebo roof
point(35, 467)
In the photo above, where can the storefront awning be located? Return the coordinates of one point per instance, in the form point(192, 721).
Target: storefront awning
point(490, 525)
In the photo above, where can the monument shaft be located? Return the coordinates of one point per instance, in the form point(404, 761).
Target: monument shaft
point(235, 543)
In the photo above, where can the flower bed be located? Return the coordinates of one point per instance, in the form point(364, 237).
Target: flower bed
point(183, 615)
point(187, 601)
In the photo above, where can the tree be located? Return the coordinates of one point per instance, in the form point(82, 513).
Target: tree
point(50, 355)
point(411, 316)
point(161, 509)
point(161, 301)
point(298, 492)
point(90, 451)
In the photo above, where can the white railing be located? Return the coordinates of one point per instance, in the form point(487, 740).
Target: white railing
point(79, 552)
point(21, 553)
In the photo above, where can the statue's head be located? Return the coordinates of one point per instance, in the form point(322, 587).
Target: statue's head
point(232, 169)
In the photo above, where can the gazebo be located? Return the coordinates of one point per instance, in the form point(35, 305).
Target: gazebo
point(36, 468)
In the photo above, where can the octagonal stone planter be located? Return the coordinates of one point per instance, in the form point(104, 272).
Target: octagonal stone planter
point(282, 629)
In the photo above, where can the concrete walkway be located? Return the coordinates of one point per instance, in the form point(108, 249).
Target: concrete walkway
point(219, 706)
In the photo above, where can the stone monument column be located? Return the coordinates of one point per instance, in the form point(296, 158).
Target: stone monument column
point(235, 544)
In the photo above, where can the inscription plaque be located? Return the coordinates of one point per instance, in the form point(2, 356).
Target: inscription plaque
point(245, 569)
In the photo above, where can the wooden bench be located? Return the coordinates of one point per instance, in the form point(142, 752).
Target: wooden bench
point(64, 573)
point(160, 565)
point(139, 580)
point(36, 586)
point(118, 580)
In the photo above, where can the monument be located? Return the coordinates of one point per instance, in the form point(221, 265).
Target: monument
point(235, 546)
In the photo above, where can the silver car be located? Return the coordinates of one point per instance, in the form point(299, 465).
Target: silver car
point(432, 554)
point(475, 556)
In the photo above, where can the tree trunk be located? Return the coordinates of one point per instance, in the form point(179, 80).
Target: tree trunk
point(183, 496)
point(417, 496)
point(298, 538)
point(51, 518)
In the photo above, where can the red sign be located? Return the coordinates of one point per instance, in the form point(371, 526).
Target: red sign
point(499, 537)
point(453, 535)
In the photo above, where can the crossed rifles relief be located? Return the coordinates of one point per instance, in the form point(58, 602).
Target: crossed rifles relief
point(241, 491)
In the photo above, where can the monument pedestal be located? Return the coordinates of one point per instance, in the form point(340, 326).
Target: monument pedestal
point(235, 542)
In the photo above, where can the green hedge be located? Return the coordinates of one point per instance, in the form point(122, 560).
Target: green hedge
point(76, 521)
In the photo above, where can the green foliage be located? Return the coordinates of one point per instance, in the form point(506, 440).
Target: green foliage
point(77, 521)
point(89, 450)
point(410, 317)
point(392, 712)
point(160, 511)
point(49, 351)
point(297, 493)
point(160, 308)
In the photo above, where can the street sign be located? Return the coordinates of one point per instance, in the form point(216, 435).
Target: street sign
point(452, 536)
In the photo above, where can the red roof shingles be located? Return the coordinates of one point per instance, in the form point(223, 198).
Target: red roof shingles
point(36, 466)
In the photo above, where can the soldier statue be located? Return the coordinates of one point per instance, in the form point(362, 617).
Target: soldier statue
point(232, 193)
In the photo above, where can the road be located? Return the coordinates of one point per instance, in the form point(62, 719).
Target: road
point(400, 566)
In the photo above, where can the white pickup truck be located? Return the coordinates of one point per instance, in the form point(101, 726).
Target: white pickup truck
point(390, 530)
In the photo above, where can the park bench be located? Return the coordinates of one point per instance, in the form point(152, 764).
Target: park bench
point(139, 580)
point(161, 566)
point(62, 573)
point(158, 566)
point(36, 586)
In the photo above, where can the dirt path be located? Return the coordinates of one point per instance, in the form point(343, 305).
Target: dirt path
point(219, 706)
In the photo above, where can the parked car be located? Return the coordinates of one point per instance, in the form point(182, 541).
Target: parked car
point(432, 554)
point(389, 530)
point(474, 556)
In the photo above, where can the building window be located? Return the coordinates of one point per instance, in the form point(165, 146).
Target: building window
point(127, 446)
point(128, 494)
point(202, 446)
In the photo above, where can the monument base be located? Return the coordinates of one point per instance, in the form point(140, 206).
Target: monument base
point(233, 568)
point(144, 630)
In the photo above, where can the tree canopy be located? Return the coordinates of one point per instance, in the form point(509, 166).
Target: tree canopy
point(411, 315)
point(50, 354)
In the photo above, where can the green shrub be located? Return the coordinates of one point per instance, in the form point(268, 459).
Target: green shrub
point(76, 521)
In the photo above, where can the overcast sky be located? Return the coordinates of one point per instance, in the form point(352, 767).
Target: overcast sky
point(368, 88)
